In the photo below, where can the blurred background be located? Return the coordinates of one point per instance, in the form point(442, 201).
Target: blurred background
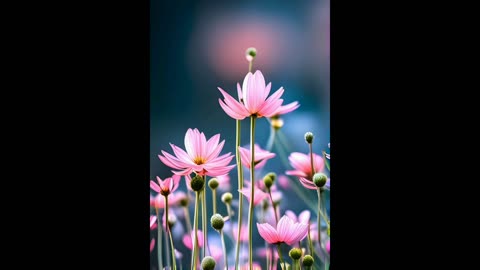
point(197, 46)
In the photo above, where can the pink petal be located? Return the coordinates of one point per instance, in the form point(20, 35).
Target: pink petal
point(189, 143)
point(154, 186)
point(215, 151)
point(152, 244)
point(283, 227)
point(235, 106)
point(239, 92)
point(287, 108)
point(268, 233)
point(267, 90)
point(307, 183)
point(230, 112)
point(270, 109)
point(182, 155)
point(153, 219)
point(245, 88)
point(304, 217)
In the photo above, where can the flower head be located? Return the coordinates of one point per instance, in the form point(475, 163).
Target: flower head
point(303, 168)
point(261, 156)
point(201, 156)
point(286, 232)
point(167, 186)
point(253, 99)
point(259, 194)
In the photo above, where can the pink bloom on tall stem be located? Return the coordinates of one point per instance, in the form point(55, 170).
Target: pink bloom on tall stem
point(261, 156)
point(259, 195)
point(188, 239)
point(286, 232)
point(167, 186)
point(201, 157)
point(303, 168)
point(303, 217)
point(253, 98)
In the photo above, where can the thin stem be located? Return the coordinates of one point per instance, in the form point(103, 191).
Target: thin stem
point(274, 206)
point(159, 240)
point(225, 259)
point(170, 234)
point(280, 256)
point(240, 186)
point(271, 139)
point(204, 217)
point(311, 160)
point(252, 191)
point(229, 211)
point(195, 231)
point(187, 219)
point(250, 64)
point(214, 198)
point(310, 245)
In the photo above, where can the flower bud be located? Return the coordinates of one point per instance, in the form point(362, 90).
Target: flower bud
point(307, 260)
point(197, 183)
point(213, 183)
point(309, 137)
point(295, 253)
point(208, 263)
point(217, 222)
point(319, 179)
point(267, 180)
point(227, 197)
point(250, 53)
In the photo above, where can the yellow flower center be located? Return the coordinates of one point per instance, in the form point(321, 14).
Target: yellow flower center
point(199, 160)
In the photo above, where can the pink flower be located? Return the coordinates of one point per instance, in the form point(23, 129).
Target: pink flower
point(201, 156)
point(303, 168)
point(327, 246)
point(261, 156)
point(152, 244)
point(223, 182)
point(286, 232)
point(283, 181)
point(304, 216)
point(243, 232)
point(167, 186)
point(173, 200)
point(153, 224)
point(259, 194)
point(188, 239)
point(253, 98)
point(287, 108)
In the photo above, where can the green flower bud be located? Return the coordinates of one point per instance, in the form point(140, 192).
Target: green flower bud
point(319, 179)
point(250, 53)
point(184, 202)
point(208, 263)
point(309, 137)
point(227, 197)
point(217, 222)
point(197, 183)
point(295, 253)
point(213, 183)
point(267, 180)
point(272, 175)
point(307, 260)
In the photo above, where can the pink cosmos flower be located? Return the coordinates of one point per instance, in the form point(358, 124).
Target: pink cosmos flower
point(243, 232)
point(304, 216)
point(153, 222)
point(259, 194)
point(167, 186)
point(223, 182)
point(173, 200)
point(303, 168)
point(261, 156)
point(188, 239)
point(201, 157)
point(286, 232)
point(152, 244)
point(253, 99)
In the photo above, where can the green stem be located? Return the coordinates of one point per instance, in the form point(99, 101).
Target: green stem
point(252, 191)
point(159, 240)
point(204, 217)
point(250, 64)
point(311, 160)
point(240, 186)
point(195, 231)
point(271, 139)
point(327, 163)
point(187, 220)
point(170, 234)
point(214, 198)
point(280, 256)
point(310, 245)
point(229, 211)
point(224, 250)
point(274, 206)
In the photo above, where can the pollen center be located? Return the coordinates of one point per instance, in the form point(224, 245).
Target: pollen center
point(199, 160)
